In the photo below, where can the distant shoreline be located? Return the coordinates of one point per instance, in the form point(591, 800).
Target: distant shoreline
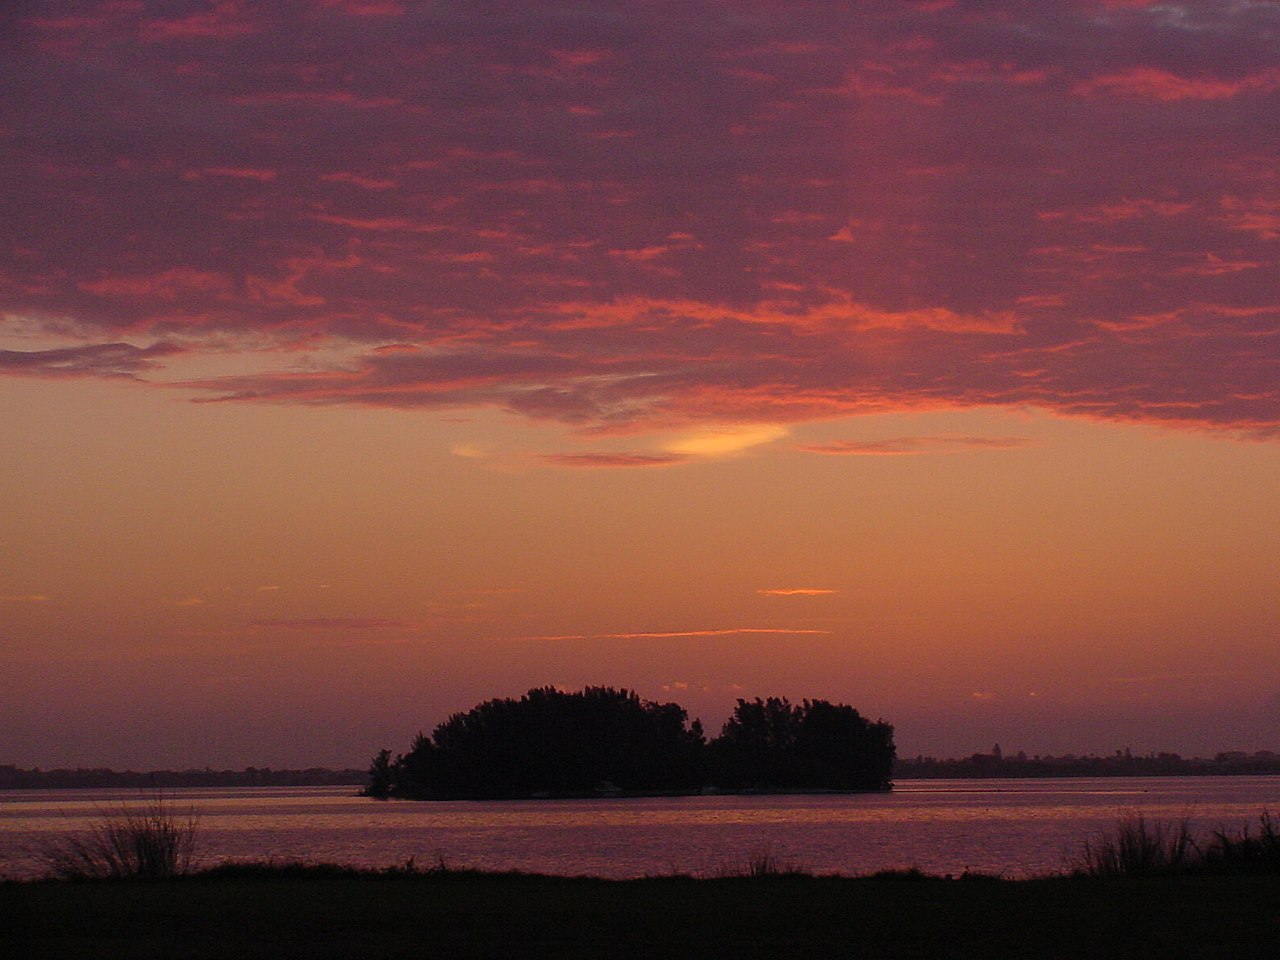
point(997, 766)
point(14, 778)
point(977, 767)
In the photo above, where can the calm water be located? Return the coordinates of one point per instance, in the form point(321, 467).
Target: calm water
point(1009, 827)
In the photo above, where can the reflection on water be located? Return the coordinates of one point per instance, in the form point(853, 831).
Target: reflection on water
point(1009, 827)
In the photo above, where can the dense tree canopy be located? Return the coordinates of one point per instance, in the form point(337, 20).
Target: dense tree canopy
point(551, 742)
point(816, 745)
point(602, 740)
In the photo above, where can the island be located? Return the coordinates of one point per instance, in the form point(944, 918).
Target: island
point(605, 741)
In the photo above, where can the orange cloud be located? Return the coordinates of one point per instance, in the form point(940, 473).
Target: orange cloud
point(911, 446)
point(607, 460)
point(678, 634)
point(332, 623)
point(795, 592)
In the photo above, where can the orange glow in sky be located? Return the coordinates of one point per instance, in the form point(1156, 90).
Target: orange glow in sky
point(360, 362)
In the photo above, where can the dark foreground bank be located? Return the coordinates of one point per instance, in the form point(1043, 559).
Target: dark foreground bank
point(459, 915)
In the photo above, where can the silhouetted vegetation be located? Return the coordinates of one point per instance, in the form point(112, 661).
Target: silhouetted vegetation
point(549, 743)
point(1215, 899)
point(816, 745)
point(151, 842)
point(764, 863)
point(1245, 851)
point(314, 913)
point(1136, 847)
point(603, 741)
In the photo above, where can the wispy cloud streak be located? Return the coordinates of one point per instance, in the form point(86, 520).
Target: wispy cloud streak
point(796, 592)
point(93, 360)
point(910, 446)
point(611, 460)
point(682, 634)
point(332, 623)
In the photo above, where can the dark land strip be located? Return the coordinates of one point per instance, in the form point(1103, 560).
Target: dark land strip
point(314, 914)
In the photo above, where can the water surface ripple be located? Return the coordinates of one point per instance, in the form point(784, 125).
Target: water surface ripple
point(1013, 828)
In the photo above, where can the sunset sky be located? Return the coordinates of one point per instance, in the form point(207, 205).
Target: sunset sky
point(361, 360)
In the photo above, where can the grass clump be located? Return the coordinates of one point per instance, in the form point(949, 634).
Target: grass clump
point(151, 841)
point(304, 869)
point(1245, 851)
point(910, 874)
point(1137, 847)
point(761, 864)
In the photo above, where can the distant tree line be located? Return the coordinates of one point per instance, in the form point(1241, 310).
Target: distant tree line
point(602, 741)
point(1120, 764)
point(16, 778)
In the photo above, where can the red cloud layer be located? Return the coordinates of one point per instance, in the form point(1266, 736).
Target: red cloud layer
point(618, 215)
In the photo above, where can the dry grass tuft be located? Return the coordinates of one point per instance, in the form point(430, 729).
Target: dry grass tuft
point(149, 841)
point(1139, 848)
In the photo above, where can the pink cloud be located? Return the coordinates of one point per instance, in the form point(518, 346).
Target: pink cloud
point(1157, 84)
point(227, 19)
point(366, 8)
point(322, 98)
point(355, 179)
point(243, 173)
point(381, 224)
point(1259, 216)
point(167, 285)
point(653, 217)
point(1125, 209)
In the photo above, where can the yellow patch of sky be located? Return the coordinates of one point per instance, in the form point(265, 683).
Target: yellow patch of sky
point(725, 440)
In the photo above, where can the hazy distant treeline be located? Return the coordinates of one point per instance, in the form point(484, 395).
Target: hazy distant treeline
point(977, 766)
point(14, 778)
point(602, 741)
point(1119, 764)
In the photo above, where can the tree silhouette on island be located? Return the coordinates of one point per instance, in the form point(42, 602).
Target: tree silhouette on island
point(605, 741)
